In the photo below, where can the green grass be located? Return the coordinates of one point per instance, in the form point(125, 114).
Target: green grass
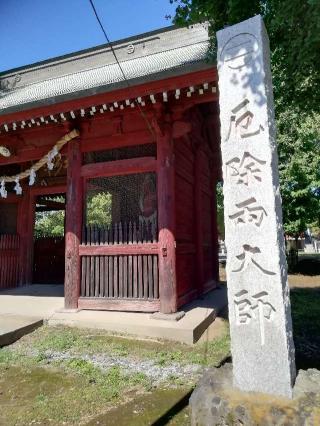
point(78, 342)
point(37, 390)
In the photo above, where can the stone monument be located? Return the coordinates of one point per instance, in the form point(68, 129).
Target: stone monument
point(259, 304)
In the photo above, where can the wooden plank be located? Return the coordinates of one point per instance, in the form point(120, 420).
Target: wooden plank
point(135, 276)
point(97, 276)
point(87, 275)
point(140, 277)
point(110, 283)
point(83, 276)
point(92, 278)
point(106, 276)
point(130, 277)
point(119, 167)
point(119, 249)
point(150, 277)
point(121, 288)
point(125, 276)
point(145, 276)
point(115, 276)
point(119, 304)
point(155, 277)
point(101, 280)
point(73, 226)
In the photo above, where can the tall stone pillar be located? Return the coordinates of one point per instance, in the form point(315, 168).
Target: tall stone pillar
point(258, 293)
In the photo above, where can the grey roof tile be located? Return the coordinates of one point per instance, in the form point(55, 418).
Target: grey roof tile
point(156, 55)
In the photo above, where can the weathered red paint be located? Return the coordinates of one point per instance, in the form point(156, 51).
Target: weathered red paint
point(166, 221)
point(73, 226)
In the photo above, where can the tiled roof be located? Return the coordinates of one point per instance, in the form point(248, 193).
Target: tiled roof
point(155, 56)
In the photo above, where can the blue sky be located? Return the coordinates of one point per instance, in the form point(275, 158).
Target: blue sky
point(35, 30)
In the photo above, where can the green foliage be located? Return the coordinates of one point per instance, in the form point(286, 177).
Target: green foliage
point(294, 31)
point(50, 224)
point(99, 209)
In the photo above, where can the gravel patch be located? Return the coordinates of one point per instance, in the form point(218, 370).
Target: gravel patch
point(157, 373)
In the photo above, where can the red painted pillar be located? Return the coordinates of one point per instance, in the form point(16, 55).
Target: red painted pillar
point(198, 168)
point(166, 221)
point(74, 210)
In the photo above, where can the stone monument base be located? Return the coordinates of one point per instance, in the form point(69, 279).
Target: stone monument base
point(216, 402)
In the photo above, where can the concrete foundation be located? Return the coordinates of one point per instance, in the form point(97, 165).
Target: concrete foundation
point(46, 303)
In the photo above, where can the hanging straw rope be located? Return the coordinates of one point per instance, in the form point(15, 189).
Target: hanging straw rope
point(44, 160)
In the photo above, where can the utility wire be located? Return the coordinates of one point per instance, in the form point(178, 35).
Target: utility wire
point(121, 69)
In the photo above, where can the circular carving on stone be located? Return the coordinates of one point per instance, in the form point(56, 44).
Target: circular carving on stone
point(130, 49)
point(239, 50)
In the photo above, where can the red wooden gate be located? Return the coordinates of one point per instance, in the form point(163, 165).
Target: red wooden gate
point(9, 261)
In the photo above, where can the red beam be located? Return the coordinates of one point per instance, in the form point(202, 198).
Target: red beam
point(48, 190)
point(118, 249)
point(87, 144)
point(28, 155)
point(120, 167)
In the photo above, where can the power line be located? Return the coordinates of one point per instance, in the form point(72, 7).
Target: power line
point(121, 69)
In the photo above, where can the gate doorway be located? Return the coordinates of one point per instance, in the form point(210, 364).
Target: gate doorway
point(49, 239)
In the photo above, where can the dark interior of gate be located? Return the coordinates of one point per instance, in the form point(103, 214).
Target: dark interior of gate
point(49, 239)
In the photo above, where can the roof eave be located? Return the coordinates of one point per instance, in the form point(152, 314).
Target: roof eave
point(179, 71)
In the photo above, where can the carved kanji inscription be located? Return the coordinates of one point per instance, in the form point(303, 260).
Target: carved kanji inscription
point(247, 169)
point(248, 256)
point(248, 211)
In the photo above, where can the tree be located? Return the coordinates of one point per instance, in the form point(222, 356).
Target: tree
point(49, 224)
point(99, 209)
point(294, 31)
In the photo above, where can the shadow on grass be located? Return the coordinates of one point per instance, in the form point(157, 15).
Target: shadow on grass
point(174, 410)
point(307, 265)
point(305, 305)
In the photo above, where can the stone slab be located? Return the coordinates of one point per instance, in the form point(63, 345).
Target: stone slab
point(176, 316)
point(258, 292)
point(46, 302)
point(198, 317)
point(12, 327)
point(215, 401)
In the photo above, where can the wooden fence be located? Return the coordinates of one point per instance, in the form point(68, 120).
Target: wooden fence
point(9, 261)
point(119, 233)
point(122, 276)
point(120, 262)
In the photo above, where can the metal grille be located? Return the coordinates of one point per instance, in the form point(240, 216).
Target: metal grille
point(121, 209)
point(146, 150)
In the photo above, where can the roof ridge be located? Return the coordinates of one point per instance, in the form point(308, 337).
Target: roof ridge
point(94, 48)
point(103, 66)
